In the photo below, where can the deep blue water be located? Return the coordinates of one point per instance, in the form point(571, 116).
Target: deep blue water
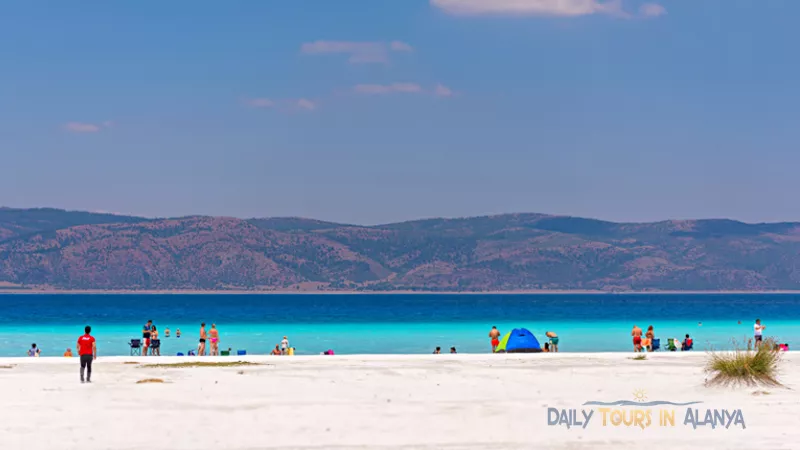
point(388, 323)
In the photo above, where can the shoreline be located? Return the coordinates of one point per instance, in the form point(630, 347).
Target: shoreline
point(399, 292)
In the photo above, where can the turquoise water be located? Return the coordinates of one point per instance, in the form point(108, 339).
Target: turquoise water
point(388, 323)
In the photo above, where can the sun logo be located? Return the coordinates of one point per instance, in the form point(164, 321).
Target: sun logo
point(639, 395)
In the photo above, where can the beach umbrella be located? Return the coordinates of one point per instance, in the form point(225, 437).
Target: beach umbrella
point(519, 340)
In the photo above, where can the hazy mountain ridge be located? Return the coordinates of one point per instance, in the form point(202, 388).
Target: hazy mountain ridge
point(79, 250)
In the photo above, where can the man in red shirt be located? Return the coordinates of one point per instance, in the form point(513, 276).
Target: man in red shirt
point(87, 349)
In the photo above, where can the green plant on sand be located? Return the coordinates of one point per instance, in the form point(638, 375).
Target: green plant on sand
point(747, 367)
point(641, 357)
point(200, 364)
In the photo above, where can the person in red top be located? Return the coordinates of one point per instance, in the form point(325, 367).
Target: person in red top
point(87, 349)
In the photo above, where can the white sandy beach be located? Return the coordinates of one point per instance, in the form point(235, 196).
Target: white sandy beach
point(381, 402)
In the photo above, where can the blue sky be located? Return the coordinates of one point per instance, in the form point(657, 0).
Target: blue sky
point(368, 111)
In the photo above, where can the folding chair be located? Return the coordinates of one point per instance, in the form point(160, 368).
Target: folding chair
point(136, 347)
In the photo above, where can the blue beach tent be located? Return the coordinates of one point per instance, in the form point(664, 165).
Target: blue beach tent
point(519, 340)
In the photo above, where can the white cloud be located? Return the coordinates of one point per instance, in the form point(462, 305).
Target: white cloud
point(652, 10)
point(80, 127)
point(358, 52)
point(260, 102)
point(567, 8)
point(442, 91)
point(399, 46)
point(306, 104)
point(407, 88)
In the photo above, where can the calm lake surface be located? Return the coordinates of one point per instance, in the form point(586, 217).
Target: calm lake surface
point(396, 323)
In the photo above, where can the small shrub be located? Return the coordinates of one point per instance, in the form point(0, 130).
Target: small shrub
point(747, 367)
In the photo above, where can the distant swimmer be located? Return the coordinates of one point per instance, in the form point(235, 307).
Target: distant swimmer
point(494, 335)
point(453, 350)
point(637, 338)
point(166, 332)
point(437, 351)
point(178, 333)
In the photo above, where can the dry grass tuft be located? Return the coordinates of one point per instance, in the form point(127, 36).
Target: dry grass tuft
point(639, 357)
point(150, 380)
point(131, 362)
point(189, 364)
point(745, 367)
point(6, 367)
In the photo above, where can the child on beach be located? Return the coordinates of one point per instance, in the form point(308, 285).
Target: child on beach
point(34, 352)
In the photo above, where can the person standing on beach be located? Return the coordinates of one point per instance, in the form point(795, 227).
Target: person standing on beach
point(201, 349)
point(87, 351)
point(758, 329)
point(494, 335)
point(637, 338)
point(284, 346)
point(35, 352)
point(651, 334)
point(213, 335)
point(146, 329)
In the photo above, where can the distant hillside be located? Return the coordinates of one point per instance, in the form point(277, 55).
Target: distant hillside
point(78, 250)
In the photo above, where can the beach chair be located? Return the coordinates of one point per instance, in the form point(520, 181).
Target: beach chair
point(671, 345)
point(241, 352)
point(224, 353)
point(136, 347)
point(687, 348)
point(179, 354)
point(656, 344)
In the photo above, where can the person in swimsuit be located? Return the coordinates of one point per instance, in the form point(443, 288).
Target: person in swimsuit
point(637, 338)
point(437, 351)
point(650, 335)
point(166, 332)
point(453, 350)
point(178, 333)
point(276, 351)
point(34, 352)
point(213, 336)
point(146, 336)
point(494, 335)
point(155, 342)
point(68, 353)
point(201, 349)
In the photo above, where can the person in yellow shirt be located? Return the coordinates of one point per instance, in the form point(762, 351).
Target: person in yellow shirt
point(68, 353)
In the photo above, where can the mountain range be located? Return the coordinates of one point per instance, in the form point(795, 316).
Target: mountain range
point(72, 250)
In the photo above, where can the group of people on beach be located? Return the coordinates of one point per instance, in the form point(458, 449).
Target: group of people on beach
point(649, 343)
point(550, 346)
point(283, 348)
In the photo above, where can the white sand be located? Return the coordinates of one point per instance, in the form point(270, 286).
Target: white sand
point(350, 402)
